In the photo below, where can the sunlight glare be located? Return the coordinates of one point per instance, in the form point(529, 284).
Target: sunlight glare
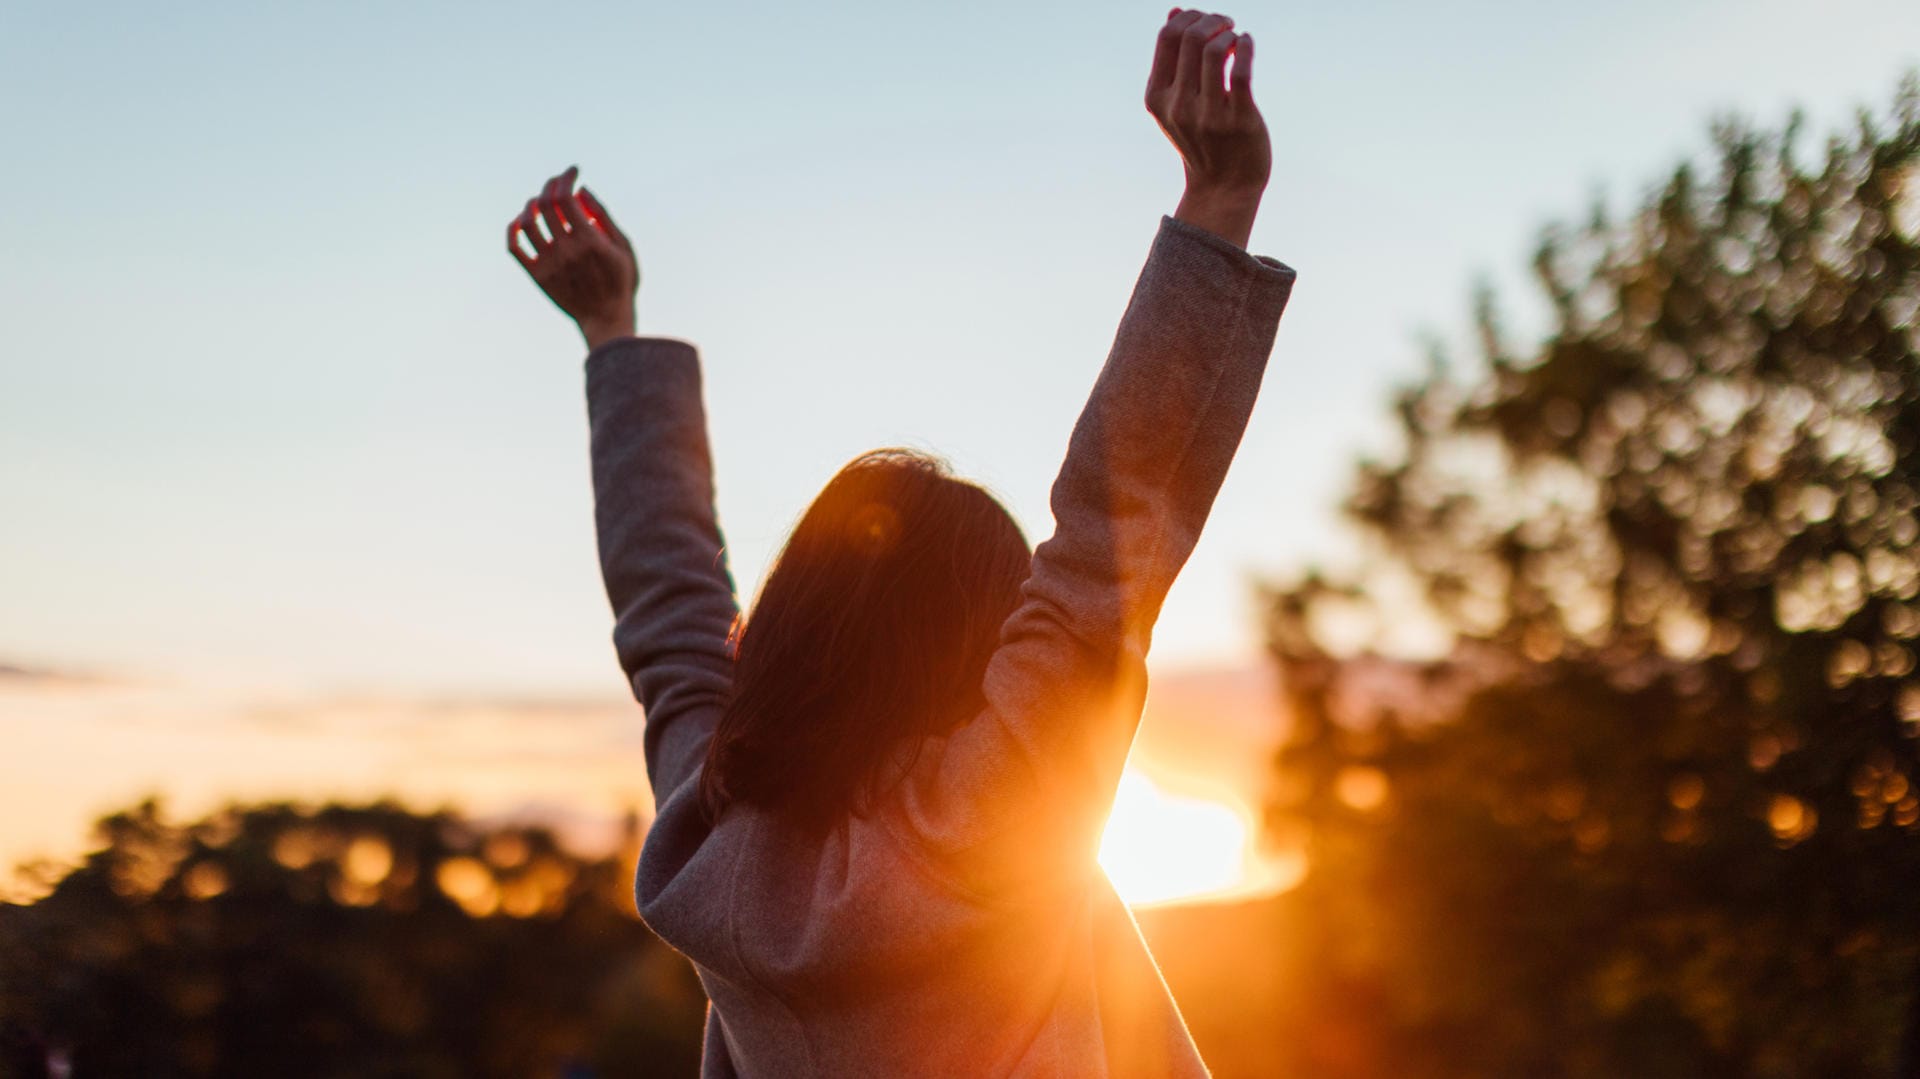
point(1162, 848)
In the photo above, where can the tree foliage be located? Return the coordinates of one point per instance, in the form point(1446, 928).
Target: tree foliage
point(361, 941)
point(1658, 813)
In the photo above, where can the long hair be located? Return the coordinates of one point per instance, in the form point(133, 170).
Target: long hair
point(871, 633)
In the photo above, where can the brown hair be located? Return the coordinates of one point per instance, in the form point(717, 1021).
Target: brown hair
point(872, 632)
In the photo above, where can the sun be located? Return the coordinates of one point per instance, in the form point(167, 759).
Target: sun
point(1162, 847)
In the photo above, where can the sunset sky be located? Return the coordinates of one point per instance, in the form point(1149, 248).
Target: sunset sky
point(278, 412)
point(275, 405)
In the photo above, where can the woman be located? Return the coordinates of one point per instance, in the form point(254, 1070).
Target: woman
point(880, 797)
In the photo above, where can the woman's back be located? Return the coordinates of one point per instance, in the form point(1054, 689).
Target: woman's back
point(961, 925)
point(956, 922)
point(850, 954)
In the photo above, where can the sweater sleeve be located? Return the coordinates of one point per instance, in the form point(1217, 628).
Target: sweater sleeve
point(1018, 795)
point(661, 553)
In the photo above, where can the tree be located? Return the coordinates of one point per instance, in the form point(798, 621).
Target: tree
point(342, 940)
point(1659, 814)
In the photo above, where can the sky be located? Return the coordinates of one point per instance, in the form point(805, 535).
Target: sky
point(278, 410)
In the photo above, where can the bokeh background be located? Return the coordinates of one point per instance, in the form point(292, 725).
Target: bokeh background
point(1540, 701)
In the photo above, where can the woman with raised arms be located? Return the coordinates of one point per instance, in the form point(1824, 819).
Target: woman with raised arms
point(881, 795)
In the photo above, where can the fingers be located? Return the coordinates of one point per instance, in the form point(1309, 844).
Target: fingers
point(565, 204)
point(1213, 65)
point(1188, 74)
point(528, 222)
point(514, 229)
point(1166, 48)
point(557, 209)
point(1242, 80)
point(599, 216)
point(552, 193)
point(568, 217)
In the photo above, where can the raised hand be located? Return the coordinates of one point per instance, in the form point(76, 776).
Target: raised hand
point(582, 261)
point(1211, 120)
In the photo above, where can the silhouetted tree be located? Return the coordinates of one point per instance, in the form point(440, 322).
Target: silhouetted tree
point(1657, 813)
point(341, 941)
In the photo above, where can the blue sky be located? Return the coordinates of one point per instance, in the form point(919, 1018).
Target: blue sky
point(276, 407)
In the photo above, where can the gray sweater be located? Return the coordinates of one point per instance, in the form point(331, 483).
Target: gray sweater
point(963, 927)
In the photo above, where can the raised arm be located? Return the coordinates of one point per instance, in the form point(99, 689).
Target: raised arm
point(1017, 796)
point(661, 553)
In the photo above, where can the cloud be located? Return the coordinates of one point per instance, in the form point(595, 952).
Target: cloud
point(28, 674)
point(403, 714)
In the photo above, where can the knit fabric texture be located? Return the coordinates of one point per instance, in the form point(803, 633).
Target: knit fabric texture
point(962, 927)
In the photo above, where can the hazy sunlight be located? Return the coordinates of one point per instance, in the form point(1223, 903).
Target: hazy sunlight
point(1161, 847)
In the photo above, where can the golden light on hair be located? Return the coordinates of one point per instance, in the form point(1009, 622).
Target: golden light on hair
point(874, 526)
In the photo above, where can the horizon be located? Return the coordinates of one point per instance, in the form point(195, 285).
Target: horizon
point(573, 764)
point(326, 455)
point(1540, 692)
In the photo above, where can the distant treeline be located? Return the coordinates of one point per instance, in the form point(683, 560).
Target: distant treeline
point(342, 941)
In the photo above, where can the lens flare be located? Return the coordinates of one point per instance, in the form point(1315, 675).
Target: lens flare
point(1161, 847)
